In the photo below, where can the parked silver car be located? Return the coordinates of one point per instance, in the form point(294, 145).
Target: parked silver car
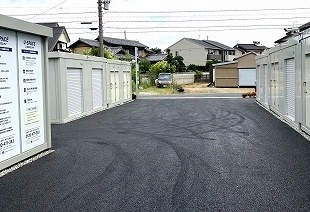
point(164, 80)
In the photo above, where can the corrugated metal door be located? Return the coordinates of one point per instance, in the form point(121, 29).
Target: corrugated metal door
point(290, 88)
point(97, 88)
point(74, 91)
point(247, 77)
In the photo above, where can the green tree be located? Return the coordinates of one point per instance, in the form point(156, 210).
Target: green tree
point(156, 50)
point(192, 67)
point(126, 57)
point(169, 57)
point(94, 51)
point(144, 66)
point(159, 67)
point(178, 62)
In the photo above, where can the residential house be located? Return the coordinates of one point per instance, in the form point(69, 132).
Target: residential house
point(246, 48)
point(198, 52)
point(83, 45)
point(238, 73)
point(115, 44)
point(60, 39)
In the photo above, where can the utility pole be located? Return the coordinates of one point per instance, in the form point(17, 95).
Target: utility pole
point(137, 71)
point(106, 7)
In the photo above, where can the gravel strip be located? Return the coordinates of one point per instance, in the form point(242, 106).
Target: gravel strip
point(25, 162)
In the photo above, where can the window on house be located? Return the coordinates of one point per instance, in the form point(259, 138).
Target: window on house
point(176, 53)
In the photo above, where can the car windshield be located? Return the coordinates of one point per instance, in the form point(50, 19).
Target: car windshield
point(164, 77)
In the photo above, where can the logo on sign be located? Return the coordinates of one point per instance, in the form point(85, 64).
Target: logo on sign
point(4, 40)
point(29, 44)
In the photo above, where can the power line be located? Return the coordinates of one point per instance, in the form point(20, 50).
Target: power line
point(209, 20)
point(211, 11)
point(159, 12)
point(192, 30)
point(47, 10)
point(192, 27)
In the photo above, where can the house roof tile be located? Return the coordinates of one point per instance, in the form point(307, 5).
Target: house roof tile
point(122, 42)
point(204, 44)
point(217, 44)
point(249, 47)
point(155, 57)
point(304, 26)
point(210, 44)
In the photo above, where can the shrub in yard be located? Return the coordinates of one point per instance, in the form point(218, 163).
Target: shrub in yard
point(159, 67)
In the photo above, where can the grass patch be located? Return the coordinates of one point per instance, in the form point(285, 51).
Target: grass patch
point(154, 89)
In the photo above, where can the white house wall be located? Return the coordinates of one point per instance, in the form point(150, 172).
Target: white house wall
point(191, 52)
point(110, 72)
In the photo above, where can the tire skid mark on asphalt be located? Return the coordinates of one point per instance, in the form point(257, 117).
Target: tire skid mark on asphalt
point(181, 191)
point(121, 159)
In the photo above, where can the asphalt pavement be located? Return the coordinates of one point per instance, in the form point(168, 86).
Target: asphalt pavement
point(173, 154)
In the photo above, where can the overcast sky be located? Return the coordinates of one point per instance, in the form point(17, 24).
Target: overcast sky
point(161, 23)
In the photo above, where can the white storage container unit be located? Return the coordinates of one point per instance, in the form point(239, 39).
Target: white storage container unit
point(305, 82)
point(82, 85)
point(24, 118)
point(279, 81)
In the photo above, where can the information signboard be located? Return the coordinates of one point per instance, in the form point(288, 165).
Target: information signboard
point(31, 91)
point(9, 116)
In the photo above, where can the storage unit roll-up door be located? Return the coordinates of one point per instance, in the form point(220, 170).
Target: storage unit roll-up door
point(97, 88)
point(74, 91)
point(290, 88)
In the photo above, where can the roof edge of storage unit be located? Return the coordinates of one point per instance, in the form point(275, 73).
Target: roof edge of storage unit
point(24, 26)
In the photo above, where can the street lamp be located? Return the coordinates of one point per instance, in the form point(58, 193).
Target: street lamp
point(106, 7)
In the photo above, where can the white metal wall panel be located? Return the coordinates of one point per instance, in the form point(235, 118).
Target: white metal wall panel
point(128, 85)
point(274, 90)
point(247, 77)
point(113, 87)
point(97, 88)
point(125, 84)
point(74, 91)
point(307, 90)
point(259, 83)
point(262, 84)
point(117, 86)
point(290, 88)
point(266, 84)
